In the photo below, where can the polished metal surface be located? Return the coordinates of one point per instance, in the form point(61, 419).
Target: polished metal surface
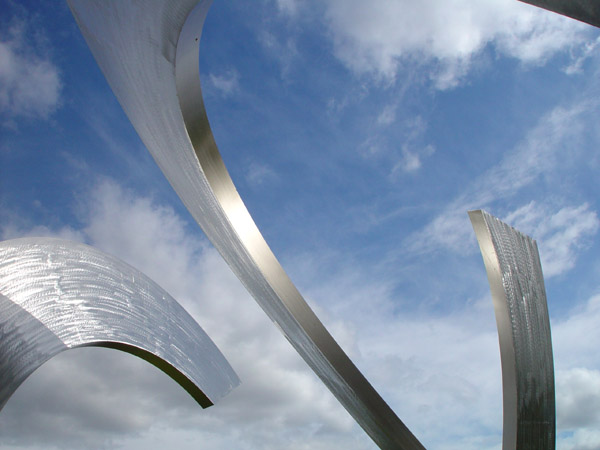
point(148, 52)
point(515, 275)
point(585, 10)
point(56, 295)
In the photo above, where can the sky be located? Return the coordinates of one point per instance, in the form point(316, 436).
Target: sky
point(359, 134)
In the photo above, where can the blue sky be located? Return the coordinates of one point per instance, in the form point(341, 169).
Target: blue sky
point(358, 136)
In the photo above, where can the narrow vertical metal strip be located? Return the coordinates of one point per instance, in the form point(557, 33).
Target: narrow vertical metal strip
point(56, 295)
point(148, 52)
point(517, 284)
point(584, 10)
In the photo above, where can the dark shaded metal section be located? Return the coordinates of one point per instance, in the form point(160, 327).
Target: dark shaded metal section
point(515, 275)
point(148, 52)
point(587, 11)
point(56, 295)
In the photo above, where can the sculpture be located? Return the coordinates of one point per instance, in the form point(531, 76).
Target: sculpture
point(517, 284)
point(156, 81)
point(56, 295)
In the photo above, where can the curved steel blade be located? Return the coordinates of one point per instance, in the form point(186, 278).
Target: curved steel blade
point(56, 295)
point(148, 52)
point(515, 275)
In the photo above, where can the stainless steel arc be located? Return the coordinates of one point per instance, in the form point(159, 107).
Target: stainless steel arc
point(515, 275)
point(148, 52)
point(56, 295)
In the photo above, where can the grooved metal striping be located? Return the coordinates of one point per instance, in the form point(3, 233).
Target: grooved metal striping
point(56, 295)
point(514, 257)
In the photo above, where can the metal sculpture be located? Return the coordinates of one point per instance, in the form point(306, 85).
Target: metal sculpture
point(515, 275)
point(148, 52)
point(584, 10)
point(156, 80)
point(56, 295)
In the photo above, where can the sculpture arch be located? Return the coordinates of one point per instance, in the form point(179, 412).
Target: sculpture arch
point(56, 295)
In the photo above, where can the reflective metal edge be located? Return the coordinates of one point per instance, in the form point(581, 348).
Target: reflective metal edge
point(56, 295)
point(587, 11)
point(516, 282)
point(181, 141)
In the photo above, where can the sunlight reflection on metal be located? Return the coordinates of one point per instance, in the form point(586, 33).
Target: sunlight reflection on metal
point(584, 10)
point(515, 275)
point(56, 295)
point(156, 80)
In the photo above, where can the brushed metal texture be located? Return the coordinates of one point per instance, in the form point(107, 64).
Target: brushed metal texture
point(516, 281)
point(148, 52)
point(56, 295)
point(584, 10)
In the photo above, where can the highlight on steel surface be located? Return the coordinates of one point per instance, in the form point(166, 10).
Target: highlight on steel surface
point(584, 10)
point(515, 276)
point(149, 54)
point(56, 295)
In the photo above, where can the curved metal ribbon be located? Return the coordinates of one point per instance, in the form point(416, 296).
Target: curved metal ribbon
point(56, 295)
point(515, 275)
point(148, 52)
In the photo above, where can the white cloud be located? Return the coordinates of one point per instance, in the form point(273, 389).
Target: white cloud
point(377, 37)
point(578, 398)
point(30, 83)
point(559, 233)
point(575, 340)
point(227, 84)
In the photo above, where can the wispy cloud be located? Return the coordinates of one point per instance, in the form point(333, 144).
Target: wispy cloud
point(257, 174)
point(287, 7)
point(411, 159)
point(282, 48)
point(226, 84)
point(30, 83)
point(585, 52)
point(406, 157)
point(540, 152)
point(559, 232)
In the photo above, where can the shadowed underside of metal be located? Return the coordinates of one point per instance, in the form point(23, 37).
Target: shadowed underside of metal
point(584, 10)
point(149, 54)
point(56, 295)
point(515, 275)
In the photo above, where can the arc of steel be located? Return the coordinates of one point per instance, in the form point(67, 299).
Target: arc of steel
point(148, 52)
point(514, 273)
point(57, 295)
